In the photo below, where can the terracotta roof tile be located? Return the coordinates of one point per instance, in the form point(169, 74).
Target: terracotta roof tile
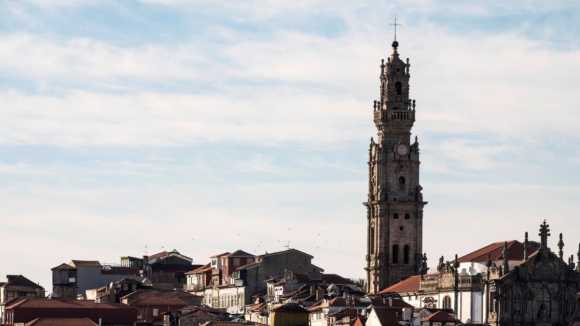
point(410, 284)
point(388, 317)
point(86, 263)
point(247, 265)
point(258, 306)
point(51, 303)
point(377, 302)
point(160, 301)
point(219, 255)
point(515, 248)
point(150, 293)
point(61, 322)
point(64, 267)
point(201, 269)
point(21, 283)
point(439, 316)
point(230, 323)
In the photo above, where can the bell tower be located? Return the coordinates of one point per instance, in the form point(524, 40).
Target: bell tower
point(395, 203)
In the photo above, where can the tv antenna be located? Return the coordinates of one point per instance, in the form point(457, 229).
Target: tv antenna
point(287, 246)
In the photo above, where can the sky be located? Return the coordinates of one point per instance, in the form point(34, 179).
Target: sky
point(132, 127)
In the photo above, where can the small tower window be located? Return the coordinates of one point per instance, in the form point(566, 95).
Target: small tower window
point(406, 254)
point(407, 216)
point(401, 183)
point(447, 302)
point(395, 254)
point(398, 88)
point(396, 216)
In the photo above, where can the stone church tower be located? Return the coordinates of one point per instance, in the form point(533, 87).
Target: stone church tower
point(395, 203)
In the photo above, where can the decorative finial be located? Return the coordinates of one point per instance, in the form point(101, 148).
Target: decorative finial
point(544, 234)
point(561, 246)
point(395, 43)
point(578, 254)
point(526, 243)
point(488, 261)
point(506, 267)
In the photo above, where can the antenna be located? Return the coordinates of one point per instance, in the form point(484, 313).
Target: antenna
point(287, 246)
point(145, 249)
point(395, 24)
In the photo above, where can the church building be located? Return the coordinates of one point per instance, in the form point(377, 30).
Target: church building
point(507, 283)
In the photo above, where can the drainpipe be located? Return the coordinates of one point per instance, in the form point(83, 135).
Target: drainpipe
point(100, 322)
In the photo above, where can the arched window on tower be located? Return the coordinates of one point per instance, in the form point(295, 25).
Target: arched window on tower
point(401, 183)
point(447, 302)
point(398, 89)
point(395, 254)
point(405, 254)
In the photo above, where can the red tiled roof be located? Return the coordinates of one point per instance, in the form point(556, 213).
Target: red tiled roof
point(259, 306)
point(515, 248)
point(149, 293)
point(223, 254)
point(199, 313)
point(159, 301)
point(21, 283)
point(377, 302)
point(410, 284)
point(231, 323)
point(439, 316)
point(247, 265)
point(51, 303)
point(86, 263)
point(61, 322)
point(64, 267)
point(201, 269)
point(388, 317)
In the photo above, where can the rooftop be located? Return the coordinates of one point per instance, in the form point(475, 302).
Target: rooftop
point(61, 322)
point(85, 263)
point(495, 250)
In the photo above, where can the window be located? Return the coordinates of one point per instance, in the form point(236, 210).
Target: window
point(396, 216)
point(543, 303)
point(401, 228)
point(447, 302)
point(250, 260)
point(134, 286)
point(401, 183)
point(398, 88)
point(407, 216)
point(406, 255)
point(395, 254)
point(236, 261)
point(155, 312)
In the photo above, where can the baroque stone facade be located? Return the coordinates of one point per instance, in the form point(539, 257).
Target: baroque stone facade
point(539, 291)
point(395, 203)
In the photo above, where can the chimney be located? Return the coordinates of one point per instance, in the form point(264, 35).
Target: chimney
point(145, 260)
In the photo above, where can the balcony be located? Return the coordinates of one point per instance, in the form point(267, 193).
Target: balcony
point(401, 115)
point(193, 287)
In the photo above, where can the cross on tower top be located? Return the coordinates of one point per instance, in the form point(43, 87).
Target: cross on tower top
point(395, 24)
